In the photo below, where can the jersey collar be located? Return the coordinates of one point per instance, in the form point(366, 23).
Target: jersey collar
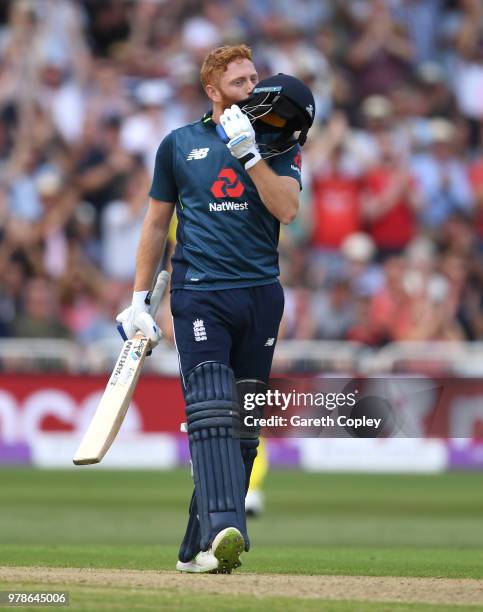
point(207, 119)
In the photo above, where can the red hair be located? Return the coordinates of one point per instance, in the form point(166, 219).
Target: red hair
point(216, 62)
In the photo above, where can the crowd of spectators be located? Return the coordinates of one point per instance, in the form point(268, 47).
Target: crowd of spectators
point(389, 241)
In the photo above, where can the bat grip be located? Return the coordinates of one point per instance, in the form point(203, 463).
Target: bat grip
point(157, 293)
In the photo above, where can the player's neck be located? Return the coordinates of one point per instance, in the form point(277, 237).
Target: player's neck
point(217, 112)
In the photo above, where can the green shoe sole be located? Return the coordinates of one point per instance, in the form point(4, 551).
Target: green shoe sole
point(227, 547)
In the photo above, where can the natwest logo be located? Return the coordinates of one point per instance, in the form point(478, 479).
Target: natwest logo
point(227, 184)
point(297, 163)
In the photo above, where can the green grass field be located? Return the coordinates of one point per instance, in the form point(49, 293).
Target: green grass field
point(315, 524)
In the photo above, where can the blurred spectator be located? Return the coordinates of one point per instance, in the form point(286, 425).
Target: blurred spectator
point(40, 311)
point(298, 322)
point(107, 24)
point(358, 251)
point(475, 175)
point(381, 54)
point(335, 187)
point(82, 232)
point(101, 162)
point(333, 310)
point(57, 207)
point(391, 304)
point(110, 300)
point(24, 198)
point(457, 236)
point(390, 201)
point(408, 308)
point(421, 19)
point(107, 96)
point(81, 291)
point(436, 96)
point(442, 176)
point(335, 200)
point(393, 165)
point(362, 328)
point(377, 117)
point(121, 226)
point(468, 75)
point(294, 54)
point(62, 96)
point(5, 144)
point(202, 31)
point(13, 274)
point(142, 132)
point(470, 310)
point(431, 314)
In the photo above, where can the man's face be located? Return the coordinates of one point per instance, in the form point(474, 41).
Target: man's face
point(236, 83)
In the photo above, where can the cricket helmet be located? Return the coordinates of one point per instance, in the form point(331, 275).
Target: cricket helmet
point(281, 105)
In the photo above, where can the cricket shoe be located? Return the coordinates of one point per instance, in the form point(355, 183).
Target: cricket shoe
point(203, 562)
point(222, 557)
point(227, 547)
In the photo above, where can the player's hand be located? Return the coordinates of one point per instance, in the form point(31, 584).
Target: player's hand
point(135, 319)
point(241, 136)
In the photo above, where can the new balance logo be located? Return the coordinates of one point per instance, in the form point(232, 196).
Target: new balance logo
point(199, 330)
point(310, 110)
point(270, 342)
point(198, 154)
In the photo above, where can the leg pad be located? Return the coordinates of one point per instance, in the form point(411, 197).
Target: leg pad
point(218, 472)
point(190, 546)
point(249, 436)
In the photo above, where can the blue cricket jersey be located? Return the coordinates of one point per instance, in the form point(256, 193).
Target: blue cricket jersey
point(226, 237)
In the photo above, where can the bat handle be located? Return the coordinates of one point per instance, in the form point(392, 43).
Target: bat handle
point(156, 295)
point(221, 133)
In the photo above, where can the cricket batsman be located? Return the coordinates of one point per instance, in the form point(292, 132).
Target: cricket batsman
point(233, 176)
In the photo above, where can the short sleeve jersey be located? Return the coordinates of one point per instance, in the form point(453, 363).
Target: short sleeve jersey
point(226, 238)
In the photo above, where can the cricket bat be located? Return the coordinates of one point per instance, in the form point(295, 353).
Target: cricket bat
point(117, 395)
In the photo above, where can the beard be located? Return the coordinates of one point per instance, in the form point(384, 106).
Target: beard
point(227, 101)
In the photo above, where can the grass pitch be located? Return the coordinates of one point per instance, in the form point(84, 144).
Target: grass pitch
point(315, 524)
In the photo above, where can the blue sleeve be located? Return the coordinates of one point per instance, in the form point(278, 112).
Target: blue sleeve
point(163, 186)
point(288, 164)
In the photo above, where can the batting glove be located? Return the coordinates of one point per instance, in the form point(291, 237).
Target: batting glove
point(136, 318)
point(241, 136)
